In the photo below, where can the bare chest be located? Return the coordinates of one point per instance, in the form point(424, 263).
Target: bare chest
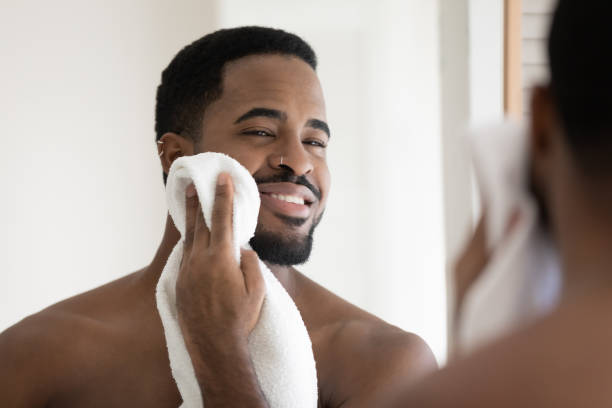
point(126, 381)
point(116, 367)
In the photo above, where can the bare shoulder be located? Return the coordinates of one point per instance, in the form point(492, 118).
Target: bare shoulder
point(351, 328)
point(380, 341)
point(359, 356)
point(42, 352)
point(377, 352)
point(561, 360)
point(37, 355)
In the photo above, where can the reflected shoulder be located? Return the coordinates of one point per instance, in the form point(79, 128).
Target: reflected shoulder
point(36, 355)
point(365, 361)
point(48, 351)
point(360, 357)
point(384, 347)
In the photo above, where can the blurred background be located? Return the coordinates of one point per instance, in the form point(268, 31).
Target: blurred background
point(83, 200)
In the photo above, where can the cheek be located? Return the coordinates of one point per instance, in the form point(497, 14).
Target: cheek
point(324, 181)
point(251, 159)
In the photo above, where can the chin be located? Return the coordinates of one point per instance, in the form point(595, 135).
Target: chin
point(282, 248)
point(282, 224)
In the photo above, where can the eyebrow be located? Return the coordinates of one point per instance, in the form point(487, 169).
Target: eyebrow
point(282, 116)
point(265, 112)
point(318, 124)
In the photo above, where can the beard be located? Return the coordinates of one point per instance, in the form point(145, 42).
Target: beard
point(286, 249)
point(281, 249)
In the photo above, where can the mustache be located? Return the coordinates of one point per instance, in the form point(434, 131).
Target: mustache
point(288, 177)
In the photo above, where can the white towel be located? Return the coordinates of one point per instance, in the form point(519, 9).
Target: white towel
point(522, 280)
point(280, 347)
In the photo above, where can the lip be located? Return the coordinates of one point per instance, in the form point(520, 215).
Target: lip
point(283, 207)
point(291, 189)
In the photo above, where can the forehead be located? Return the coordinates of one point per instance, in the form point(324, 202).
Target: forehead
point(275, 81)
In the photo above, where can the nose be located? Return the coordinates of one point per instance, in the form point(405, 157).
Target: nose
point(292, 156)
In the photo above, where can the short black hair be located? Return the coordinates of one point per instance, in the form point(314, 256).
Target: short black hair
point(194, 77)
point(581, 78)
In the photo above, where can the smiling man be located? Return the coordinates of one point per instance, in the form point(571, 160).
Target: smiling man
point(251, 93)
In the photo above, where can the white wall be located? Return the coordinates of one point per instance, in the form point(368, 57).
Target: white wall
point(486, 92)
point(486, 60)
point(82, 197)
point(381, 242)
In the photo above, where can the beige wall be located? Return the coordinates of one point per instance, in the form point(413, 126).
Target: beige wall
point(381, 243)
point(82, 194)
point(83, 198)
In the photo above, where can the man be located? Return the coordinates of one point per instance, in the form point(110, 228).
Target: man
point(253, 94)
point(564, 359)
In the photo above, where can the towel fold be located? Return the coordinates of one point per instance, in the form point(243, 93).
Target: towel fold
point(522, 280)
point(279, 344)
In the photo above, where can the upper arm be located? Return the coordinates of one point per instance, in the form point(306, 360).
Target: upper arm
point(381, 361)
point(394, 369)
point(22, 366)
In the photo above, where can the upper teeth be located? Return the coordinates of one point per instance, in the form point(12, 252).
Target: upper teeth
point(289, 199)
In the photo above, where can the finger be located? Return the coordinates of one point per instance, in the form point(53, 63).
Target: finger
point(473, 259)
point(478, 252)
point(513, 221)
point(253, 280)
point(201, 232)
point(479, 242)
point(191, 207)
point(254, 285)
point(221, 229)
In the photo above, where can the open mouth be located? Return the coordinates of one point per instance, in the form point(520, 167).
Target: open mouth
point(286, 205)
point(290, 198)
point(287, 199)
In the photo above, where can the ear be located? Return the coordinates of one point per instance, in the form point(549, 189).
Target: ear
point(545, 136)
point(171, 146)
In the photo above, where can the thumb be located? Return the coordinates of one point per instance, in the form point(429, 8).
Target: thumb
point(253, 279)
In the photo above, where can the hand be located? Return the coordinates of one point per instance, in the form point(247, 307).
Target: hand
point(218, 300)
point(476, 257)
point(218, 303)
point(471, 263)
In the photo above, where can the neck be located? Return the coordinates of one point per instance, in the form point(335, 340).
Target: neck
point(151, 273)
point(587, 252)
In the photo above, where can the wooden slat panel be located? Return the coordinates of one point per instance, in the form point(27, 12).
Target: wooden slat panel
point(534, 74)
point(534, 52)
point(526, 101)
point(538, 6)
point(536, 18)
point(535, 26)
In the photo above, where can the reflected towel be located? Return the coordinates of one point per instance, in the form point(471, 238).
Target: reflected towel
point(280, 347)
point(522, 280)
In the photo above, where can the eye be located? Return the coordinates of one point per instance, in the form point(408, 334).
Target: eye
point(258, 132)
point(315, 143)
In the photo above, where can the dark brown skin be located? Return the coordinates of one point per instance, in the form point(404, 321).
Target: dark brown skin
point(564, 359)
point(218, 302)
point(106, 348)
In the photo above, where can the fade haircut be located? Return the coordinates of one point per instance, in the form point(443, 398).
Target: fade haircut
point(193, 79)
point(581, 79)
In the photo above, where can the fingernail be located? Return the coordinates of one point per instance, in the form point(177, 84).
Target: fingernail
point(191, 191)
point(222, 179)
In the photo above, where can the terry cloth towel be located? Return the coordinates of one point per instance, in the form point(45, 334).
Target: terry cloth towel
point(522, 280)
point(279, 344)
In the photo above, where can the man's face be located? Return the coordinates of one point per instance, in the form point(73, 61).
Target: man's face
point(272, 109)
